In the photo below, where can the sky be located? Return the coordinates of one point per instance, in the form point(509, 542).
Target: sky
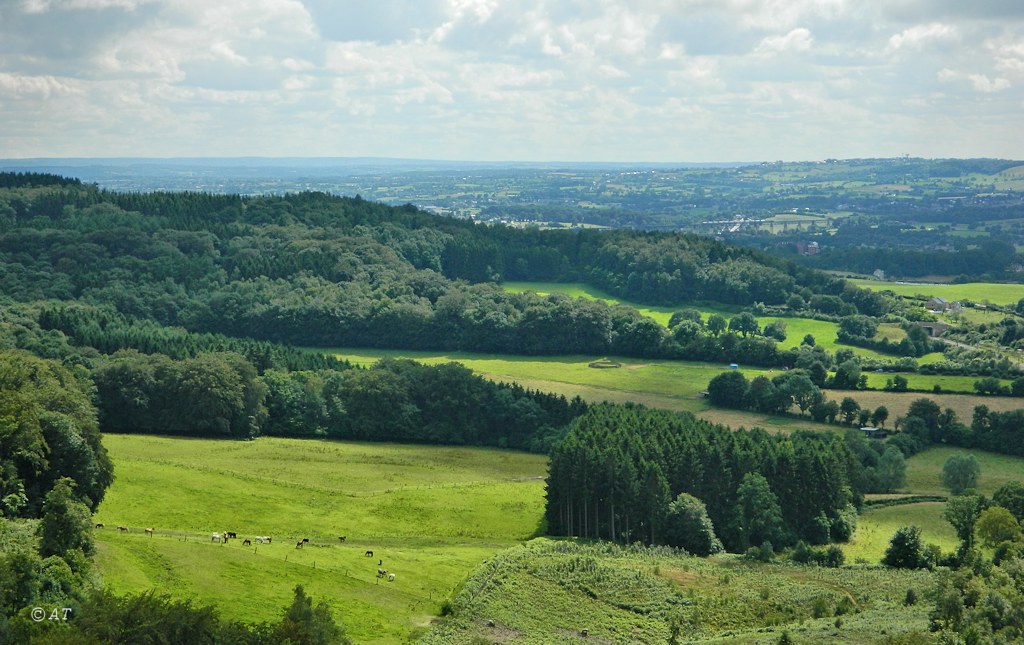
point(513, 80)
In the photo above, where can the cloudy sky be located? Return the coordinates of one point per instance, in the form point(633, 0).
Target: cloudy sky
point(544, 80)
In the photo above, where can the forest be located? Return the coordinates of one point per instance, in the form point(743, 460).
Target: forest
point(316, 270)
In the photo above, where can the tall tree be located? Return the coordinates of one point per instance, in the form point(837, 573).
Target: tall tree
point(960, 472)
point(758, 516)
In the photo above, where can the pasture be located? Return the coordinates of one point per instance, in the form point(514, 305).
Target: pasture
point(924, 470)
point(549, 591)
point(430, 513)
point(995, 293)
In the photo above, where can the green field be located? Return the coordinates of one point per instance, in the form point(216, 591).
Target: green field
point(430, 513)
point(924, 470)
point(875, 527)
point(550, 591)
point(999, 294)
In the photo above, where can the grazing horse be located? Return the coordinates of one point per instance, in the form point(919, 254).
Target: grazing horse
point(341, 538)
point(381, 573)
point(215, 537)
point(246, 542)
point(369, 554)
point(99, 526)
point(123, 529)
point(391, 577)
point(298, 545)
point(231, 534)
point(149, 532)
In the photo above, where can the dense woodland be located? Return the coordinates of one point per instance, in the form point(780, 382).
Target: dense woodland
point(316, 270)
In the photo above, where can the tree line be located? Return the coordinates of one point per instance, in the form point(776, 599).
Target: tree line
point(222, 395)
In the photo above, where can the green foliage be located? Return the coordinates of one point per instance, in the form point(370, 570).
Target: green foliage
point(906, 550)
point(66, 522)
point(152, 617)
point(996, 525)
point(48, 430)
point(688, 526)
point(981, 604)
point(758, 517)
point(1011, 497)
point(546, 591)
point(963, 512)
point(728, 389)
point(304, 624)
point(960, 473)
point(892, 470)
point(395, 400)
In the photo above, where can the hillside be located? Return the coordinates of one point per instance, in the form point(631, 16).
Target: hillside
point(312, 269)
point(431, 514)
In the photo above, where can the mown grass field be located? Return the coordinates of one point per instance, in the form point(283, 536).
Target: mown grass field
point(924, 470)
point(550, 591)
point(875, 528)
point(430, 513)
point(999, 294)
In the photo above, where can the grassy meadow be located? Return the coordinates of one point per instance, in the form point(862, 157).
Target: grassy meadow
point(430, 513)
point(924, 471)
point(999, 294)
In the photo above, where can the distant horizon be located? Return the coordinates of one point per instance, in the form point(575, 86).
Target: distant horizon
point(218, 159)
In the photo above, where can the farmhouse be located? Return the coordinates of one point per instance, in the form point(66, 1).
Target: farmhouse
point(938, 305)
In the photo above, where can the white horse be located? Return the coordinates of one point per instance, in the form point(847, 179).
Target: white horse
point(215, 537)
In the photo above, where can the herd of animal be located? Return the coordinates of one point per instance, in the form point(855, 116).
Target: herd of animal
point(224, 536)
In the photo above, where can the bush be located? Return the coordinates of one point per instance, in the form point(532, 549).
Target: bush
point(910, 598)
point(906, 550)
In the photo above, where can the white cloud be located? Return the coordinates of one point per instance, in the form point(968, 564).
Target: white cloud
point(983, 83)
point(919, 35)
point(42, 6)
point(797, 40)
point(646, 79)
point(21, 86)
